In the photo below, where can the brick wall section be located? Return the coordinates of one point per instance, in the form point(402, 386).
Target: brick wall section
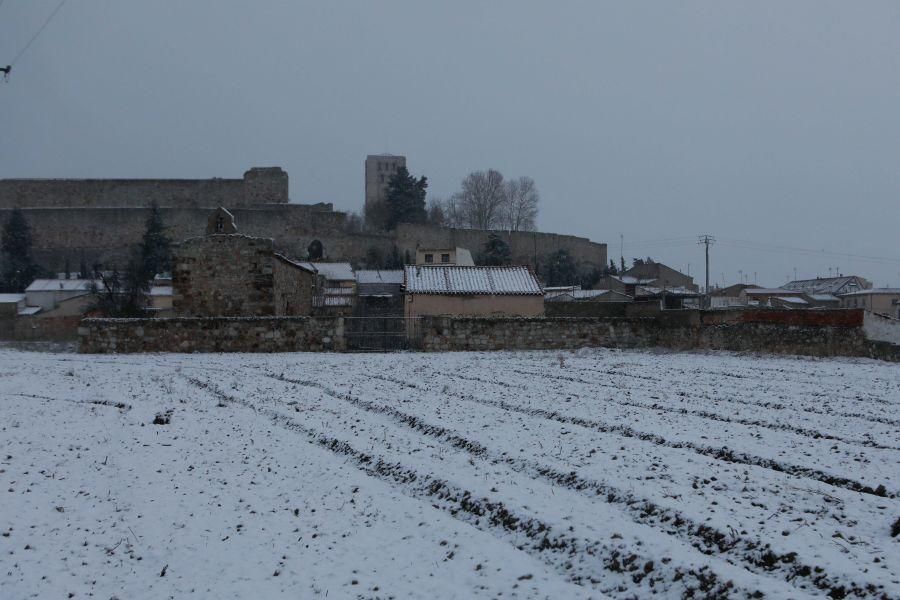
point(217, 334)
point(293, 288)
point(224, 276)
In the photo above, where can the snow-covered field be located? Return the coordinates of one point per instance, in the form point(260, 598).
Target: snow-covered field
point(592, 474)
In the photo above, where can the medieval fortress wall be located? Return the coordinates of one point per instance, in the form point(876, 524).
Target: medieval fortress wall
point(100, 220)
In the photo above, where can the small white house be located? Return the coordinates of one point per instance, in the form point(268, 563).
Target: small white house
point(47, 293)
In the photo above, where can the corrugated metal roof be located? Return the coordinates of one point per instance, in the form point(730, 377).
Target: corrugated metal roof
point(394, 277)
point(335, 271)
point(825, 285)
point(511, 281)
point(11, 298)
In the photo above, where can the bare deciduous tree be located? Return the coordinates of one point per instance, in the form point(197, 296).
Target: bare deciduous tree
point(520, 205)
point(480, 203)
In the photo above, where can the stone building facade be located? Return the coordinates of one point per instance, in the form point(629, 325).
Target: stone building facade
point(233, 275)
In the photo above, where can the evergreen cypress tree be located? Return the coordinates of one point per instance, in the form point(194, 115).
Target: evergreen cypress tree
point(496, 251)
point(19, 268)
point(405, 199)
point(156, 247)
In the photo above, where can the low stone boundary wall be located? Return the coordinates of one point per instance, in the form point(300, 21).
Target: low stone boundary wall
point(37, 328)
point(825, 334)
point(537, 333)
point(212, 334)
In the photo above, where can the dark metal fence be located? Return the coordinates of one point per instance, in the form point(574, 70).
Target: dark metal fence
point(381, 334)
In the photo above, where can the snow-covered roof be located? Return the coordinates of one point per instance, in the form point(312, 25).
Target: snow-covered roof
point(824, 297)
point(826, 285)
point(394, 277)
point(674, 291)
point(510, 281)
point(30, 310)
point(576, 295)
point(874, 291)
point(11, 298)
point(161, 290)
point(335, 271)
point(306, 266)
point(792, 300)
point(770, 292)
point(66, 285)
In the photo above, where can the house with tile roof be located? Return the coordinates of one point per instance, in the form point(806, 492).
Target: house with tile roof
point(472, 291)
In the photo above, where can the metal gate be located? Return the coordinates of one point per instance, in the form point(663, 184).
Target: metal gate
point(381, 334)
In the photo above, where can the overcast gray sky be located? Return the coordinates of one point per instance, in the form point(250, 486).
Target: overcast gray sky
point(774, 126)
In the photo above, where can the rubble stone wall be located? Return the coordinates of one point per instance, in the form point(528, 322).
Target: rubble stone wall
point(214, 334)
point(225, 275)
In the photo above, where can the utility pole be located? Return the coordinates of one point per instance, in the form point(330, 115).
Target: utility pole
point(706, 240)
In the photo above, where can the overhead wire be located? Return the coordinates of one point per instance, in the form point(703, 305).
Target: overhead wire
point(37, 34)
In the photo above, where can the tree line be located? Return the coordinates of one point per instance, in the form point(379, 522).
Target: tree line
point(119, 293)
point(485, 201)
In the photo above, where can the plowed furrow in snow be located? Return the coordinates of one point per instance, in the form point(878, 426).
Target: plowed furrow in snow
point(712, 416)
point(753, 555)
point(719, 453)
point(613, 567)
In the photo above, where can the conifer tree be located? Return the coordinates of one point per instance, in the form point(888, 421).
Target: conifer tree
point(19, 268)
point(156, 247)
point(496, 252)
point(405, 201)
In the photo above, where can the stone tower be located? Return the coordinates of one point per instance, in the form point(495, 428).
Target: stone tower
point(379, 168)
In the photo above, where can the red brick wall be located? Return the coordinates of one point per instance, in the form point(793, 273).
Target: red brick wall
point(808, 318)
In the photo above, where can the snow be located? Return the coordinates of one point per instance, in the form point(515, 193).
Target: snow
point(471, 280)
point(393, 276)
point(11, 298)
point(335, 271)
point(588, 474)
point(55, 285)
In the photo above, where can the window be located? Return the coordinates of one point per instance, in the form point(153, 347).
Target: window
point(445, 258)
point(429, 258)
point(220, 224)
point(381, 177)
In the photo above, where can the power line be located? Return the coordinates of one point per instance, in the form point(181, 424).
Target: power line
point(820, 253)
point(38, 33)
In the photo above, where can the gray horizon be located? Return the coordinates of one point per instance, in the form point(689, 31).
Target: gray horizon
point(771, 126)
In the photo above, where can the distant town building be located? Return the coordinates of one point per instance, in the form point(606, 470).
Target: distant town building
point(882, 301)
point(659, 275)
point(47, 293)
point(829, 285)
point(444, 256)
point(337, 292)
point(379, 169)
point(473, 291)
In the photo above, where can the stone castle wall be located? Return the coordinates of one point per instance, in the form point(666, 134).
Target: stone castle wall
point(101, 220)
point(258, 186)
